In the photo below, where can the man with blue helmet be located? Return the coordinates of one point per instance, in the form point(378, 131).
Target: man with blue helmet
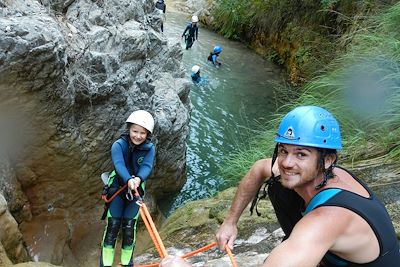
point(213, 57)
point(330, 218)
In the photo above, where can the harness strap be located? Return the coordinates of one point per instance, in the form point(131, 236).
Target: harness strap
point(268, 182)
point(108, 200)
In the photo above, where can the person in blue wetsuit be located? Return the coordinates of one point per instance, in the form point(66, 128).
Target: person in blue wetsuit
point(133, 158)
point(191, 32)
point(196, 78)
point(213, 57)
point(329, 217)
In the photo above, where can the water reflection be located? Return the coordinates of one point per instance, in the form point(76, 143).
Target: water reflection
point(225, 109)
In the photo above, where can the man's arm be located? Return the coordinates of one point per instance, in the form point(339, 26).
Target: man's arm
point(247, 189)
point(310, 239)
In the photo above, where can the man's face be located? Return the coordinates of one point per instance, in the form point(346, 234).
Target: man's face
point(298, 165)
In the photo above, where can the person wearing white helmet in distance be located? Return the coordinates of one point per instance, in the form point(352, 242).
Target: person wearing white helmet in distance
point(191, 32)
point(196, 78)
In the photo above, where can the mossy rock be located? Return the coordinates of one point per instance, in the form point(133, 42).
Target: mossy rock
point(196, 223)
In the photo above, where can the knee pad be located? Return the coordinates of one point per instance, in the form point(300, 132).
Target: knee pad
point(110, 237)
point(128, 240)
point(128, 232)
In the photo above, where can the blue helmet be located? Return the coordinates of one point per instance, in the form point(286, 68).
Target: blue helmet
point(309, 126)
point(217, 49)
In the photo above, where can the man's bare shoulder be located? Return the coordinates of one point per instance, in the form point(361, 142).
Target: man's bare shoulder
point(336, 219)
point(309, 241)
point(262, 167)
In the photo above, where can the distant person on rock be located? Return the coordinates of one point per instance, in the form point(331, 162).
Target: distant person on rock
point(161, 6)
point(330, 217)
point(191, 32)
point(132, 156)
point(213, 57)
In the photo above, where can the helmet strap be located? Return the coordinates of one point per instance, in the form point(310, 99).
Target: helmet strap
point(274, 157)
point(323, 183)
point(327, 173)
point(262, 191)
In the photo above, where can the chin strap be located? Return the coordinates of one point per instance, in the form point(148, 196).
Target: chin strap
point(328, 173)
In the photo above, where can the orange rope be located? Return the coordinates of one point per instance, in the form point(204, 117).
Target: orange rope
point(151, 233)
point(202, 249)
point(153, 228)
point(187, 255)
point(231, 257)
point(104, 197)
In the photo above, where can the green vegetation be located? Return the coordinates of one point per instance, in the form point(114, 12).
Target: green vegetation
point(302, 35)
point(361, 88)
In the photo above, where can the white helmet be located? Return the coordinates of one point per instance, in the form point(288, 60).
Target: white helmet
point(142, 118)
point(195, 18)
point(195, 69)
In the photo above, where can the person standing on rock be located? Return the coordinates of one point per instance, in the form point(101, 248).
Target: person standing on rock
point(191, 32)
point(133, 157)
point(330, 217)
point(161, 6)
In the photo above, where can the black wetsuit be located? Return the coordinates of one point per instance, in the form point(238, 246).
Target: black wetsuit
point(160, 5)
point(213, 57)
point(192, 34)
point(373, 212)
point(196, 77)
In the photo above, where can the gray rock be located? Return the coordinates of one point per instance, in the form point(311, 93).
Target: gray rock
point(70, 74)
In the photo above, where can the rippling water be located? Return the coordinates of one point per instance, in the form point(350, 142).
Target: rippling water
point(224, 109)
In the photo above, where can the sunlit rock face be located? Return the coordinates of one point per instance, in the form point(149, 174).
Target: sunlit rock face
point(70, 74)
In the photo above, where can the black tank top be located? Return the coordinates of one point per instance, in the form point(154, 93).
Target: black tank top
point(373, 212)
